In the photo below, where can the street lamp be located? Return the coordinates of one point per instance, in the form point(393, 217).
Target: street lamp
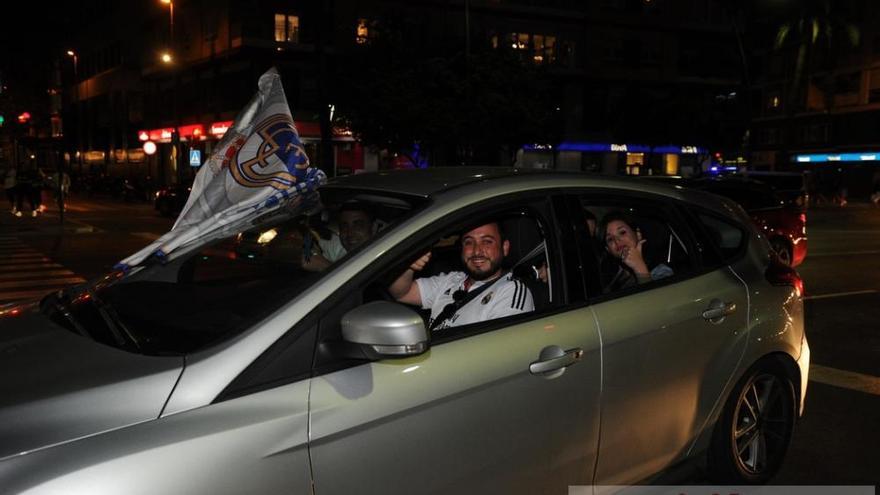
point(170, 4)
point(72, 54)
point(167, 59)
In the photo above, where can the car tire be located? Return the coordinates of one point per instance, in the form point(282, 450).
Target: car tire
point(783, 251)
point(753, 433)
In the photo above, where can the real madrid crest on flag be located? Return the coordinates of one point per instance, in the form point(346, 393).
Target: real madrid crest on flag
point(259, 165)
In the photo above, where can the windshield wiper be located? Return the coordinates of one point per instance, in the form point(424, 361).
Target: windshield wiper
point(58, 306)
point(123, 336)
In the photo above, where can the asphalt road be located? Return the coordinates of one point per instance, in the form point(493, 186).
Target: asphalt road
point(836, 440)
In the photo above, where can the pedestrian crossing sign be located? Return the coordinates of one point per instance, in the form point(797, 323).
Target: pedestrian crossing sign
point(195, 157)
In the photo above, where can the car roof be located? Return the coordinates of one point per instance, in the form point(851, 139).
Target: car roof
point(452, 182)
point(425, 182)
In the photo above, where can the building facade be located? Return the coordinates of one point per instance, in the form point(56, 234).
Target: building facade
point(653, 82)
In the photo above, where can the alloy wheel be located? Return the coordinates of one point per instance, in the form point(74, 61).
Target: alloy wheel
point(762, 424)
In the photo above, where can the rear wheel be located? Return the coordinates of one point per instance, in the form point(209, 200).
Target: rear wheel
point(754, 431)
point(782, 250)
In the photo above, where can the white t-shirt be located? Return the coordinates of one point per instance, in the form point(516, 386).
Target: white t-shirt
point(332, 248)
point(505, 297)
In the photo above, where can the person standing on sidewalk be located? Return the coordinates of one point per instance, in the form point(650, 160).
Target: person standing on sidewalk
point(9, 185)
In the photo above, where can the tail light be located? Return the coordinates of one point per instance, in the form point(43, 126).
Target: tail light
point(778, 273)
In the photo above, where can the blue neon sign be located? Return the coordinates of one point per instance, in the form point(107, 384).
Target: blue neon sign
point(865, 156)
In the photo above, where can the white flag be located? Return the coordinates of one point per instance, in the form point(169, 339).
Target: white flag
point(258, 166)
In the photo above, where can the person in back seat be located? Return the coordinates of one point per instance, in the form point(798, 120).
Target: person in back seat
point(624, 242)
point(484, 291)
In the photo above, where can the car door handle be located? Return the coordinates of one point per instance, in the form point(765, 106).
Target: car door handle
point(554, 358)
point(718, 310)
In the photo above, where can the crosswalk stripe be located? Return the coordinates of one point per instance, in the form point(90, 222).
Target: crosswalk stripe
point(18, 256)
point(26, 260)
point(35, 274)
point(22, 295)
point(27, 266)
point(40, 283)
point(26, 273)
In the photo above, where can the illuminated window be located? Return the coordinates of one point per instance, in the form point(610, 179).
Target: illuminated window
point(286, 28)
point(542, 48)
point(365, 30)
point(634, 163)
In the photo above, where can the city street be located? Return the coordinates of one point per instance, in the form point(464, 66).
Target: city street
point(833, 442)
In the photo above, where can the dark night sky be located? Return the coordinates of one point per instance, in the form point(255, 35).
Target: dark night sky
point(32, 37)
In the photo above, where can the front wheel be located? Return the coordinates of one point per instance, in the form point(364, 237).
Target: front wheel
point(754, 430)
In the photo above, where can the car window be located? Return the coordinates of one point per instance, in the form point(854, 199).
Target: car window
point(224, 286)
point(531, 281)
point(728, 237)
point(636, 244)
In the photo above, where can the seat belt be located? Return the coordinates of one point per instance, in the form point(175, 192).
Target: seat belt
point(458, 302)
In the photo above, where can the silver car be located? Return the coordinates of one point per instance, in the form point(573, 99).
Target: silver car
point(235, 366)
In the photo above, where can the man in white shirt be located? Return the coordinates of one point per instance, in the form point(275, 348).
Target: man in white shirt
point(483, 292)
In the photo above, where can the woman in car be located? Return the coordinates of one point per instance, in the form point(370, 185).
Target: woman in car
point(624, 242)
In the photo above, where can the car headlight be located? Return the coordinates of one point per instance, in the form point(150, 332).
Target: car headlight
point(267, 236)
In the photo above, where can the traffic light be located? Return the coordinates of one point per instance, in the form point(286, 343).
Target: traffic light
point(2, 120)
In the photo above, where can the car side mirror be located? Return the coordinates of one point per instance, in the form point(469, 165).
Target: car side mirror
point(385, 330)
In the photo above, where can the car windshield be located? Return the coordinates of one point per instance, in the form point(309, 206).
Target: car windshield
point(222, 287)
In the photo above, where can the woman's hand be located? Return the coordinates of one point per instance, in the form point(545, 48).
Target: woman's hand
point(634, 259)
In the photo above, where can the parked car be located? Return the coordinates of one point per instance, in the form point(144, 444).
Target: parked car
point(210, 373)
point(170, 200)
point(791, 187)
point(784, 223)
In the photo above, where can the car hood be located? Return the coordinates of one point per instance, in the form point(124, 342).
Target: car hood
point(56, 386)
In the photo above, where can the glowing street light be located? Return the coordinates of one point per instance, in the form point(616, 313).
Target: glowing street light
point(166, 57)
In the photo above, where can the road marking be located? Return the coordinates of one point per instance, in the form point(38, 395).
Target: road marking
point(35, 275)
point(840, 294)
point(845, 379)
point(26, 273)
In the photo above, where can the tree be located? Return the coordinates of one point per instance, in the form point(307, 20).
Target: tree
point(811, 24)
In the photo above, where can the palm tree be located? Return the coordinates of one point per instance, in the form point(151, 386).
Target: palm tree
point(811, 24)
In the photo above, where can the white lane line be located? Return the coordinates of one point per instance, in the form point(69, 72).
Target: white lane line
point(813, 254)
point(845, 379)
point(840, 294)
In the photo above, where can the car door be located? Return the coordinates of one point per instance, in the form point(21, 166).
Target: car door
point(467, 416)
point(669, 347)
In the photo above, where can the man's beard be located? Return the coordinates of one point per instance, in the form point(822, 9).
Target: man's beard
point(487, 272)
